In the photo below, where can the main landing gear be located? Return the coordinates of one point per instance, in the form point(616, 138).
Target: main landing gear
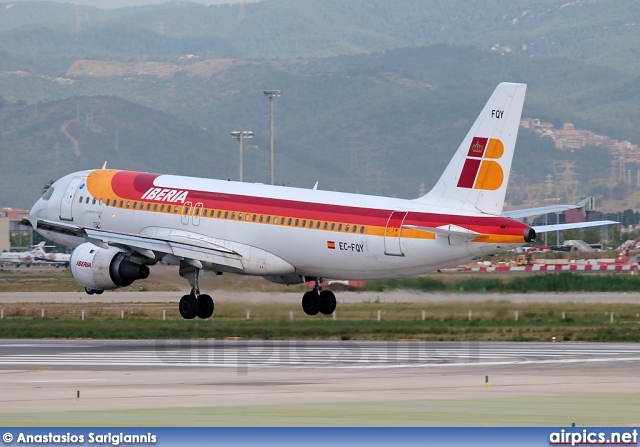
point(318, 300)
point(194, 304)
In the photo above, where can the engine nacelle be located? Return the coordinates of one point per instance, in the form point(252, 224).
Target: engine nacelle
point(103, 269)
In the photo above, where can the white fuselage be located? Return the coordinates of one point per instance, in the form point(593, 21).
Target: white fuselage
point(316, 233)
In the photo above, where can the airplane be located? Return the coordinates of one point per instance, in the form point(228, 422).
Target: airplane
point(57, 259)
point(20, 257)
point(36, 255)
point(121, 222)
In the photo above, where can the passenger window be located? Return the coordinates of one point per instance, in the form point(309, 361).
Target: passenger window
point(175, 209)
point(275, 220)
point(289, 222)
point(268, 219)
point(233, 216)
point(355, 227)
point(239, 216)
point(87, 202)
point(304, 223)
point(197, 211)
point(324, 227)
point(107, 202)
point(297, 221)
point(226, 214)
point(261, 218)
point(310, 224)
point(219, 213)
point(246, 217)
point(135, 205)
point(333, 226)
point(81, 199)
point(93, 202)
point(346, 228)
point(253, 218)
point(340, 227)
point(128, 203)
point(318, 224)
point(148, 206)
point(162, 208)
point(121, 203)
point(361, 229)
point(155, 207)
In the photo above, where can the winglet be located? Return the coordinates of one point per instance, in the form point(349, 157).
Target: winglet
point(477, 176)
point(104, 166)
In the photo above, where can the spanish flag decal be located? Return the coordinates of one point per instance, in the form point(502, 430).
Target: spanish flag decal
point(331, 245)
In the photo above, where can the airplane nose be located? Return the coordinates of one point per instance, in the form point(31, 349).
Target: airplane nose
point(37, 209)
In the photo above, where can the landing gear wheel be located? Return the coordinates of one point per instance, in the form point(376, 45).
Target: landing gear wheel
point(89, 291)
point(205, 306)
point(188, 307)
point(311, 303)
point(328, 302)
point(98, 292)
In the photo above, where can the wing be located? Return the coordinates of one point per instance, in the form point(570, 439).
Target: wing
point(180, 244)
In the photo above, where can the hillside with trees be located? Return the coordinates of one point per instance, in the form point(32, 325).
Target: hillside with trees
point(376, 96)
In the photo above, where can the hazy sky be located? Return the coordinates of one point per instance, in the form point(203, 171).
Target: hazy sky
point(123, 3)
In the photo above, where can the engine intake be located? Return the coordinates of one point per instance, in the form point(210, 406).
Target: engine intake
point(102, 269)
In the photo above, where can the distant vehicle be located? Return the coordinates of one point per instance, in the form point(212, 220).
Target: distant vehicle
point(563, 248)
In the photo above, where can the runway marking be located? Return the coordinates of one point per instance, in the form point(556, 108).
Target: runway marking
point(349, 356)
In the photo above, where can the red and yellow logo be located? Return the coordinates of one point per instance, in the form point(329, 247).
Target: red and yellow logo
point(479, 170)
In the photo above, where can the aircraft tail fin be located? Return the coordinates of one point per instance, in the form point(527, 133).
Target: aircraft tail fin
point(477, 176)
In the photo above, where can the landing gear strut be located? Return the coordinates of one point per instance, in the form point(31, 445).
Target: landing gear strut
point(318, 300)
point(194, 304)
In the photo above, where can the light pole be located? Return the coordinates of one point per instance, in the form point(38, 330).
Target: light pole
point(240, 135)
point(270, 94)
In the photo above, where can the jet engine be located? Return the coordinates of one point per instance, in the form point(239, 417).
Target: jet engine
point(102, 269)
point(529, 235)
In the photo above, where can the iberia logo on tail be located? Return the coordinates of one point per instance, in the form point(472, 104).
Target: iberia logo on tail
point(480, 171)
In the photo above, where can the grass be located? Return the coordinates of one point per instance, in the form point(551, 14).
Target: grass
point(490, 321)
point(513, 283)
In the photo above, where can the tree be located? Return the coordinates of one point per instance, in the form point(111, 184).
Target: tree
point(591, 235)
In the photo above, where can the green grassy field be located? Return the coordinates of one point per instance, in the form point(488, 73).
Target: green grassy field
point(488, 321)
point(493, 320)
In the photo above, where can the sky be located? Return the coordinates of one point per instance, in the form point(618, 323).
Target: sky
point(123, 3)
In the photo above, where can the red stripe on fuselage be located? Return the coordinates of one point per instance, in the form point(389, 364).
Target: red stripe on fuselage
point(133, 185)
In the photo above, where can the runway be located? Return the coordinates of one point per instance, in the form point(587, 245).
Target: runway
point(236, 382)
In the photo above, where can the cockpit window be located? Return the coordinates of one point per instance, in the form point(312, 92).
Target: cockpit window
point(47, 195)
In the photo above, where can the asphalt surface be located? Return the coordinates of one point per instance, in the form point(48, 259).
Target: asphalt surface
point(235, 382)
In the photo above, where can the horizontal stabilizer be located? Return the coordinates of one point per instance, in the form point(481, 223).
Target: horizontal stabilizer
point(446, 230)
point(571, 226)
point(517, 214)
